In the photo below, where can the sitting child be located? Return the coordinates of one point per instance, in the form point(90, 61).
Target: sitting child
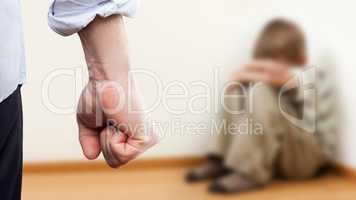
point(276, 141)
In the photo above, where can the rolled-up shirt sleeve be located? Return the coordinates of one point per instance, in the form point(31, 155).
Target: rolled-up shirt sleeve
point(67, 17)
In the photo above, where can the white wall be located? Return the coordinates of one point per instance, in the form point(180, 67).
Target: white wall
point(178, 40)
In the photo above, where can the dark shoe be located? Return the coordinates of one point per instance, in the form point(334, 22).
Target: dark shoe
point(232, 183)
point(212, 168)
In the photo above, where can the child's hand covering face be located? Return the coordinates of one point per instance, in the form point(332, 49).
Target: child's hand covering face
point(267, 71)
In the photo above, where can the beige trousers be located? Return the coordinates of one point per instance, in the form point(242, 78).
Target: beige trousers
point(260, 142)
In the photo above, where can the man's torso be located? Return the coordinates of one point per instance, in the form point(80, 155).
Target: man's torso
point(12, 62)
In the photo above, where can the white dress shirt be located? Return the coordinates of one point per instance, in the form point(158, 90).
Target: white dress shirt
point(70, 16)
point(65, 17)
point(12, 59)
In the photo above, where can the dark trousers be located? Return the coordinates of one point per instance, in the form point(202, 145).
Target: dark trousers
point(11, 147)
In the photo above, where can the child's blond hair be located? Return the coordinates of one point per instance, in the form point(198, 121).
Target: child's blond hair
point(281, 39)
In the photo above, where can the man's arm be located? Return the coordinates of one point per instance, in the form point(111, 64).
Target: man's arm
point(105, 122)
point(105, 46)
point(108, 61)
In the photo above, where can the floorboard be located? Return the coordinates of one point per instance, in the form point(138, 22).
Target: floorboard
point(168, 184)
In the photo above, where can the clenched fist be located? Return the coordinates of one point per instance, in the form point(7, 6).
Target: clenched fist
point(106, 124)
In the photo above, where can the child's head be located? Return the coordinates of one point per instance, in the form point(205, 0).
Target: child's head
point(281, 40)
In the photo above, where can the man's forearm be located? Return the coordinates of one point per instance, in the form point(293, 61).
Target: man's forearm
point(105, 46)
point(110, 117)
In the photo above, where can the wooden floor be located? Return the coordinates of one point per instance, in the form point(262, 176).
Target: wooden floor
point(168, 184)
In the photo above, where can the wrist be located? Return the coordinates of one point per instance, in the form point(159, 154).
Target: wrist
point(108, 71)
